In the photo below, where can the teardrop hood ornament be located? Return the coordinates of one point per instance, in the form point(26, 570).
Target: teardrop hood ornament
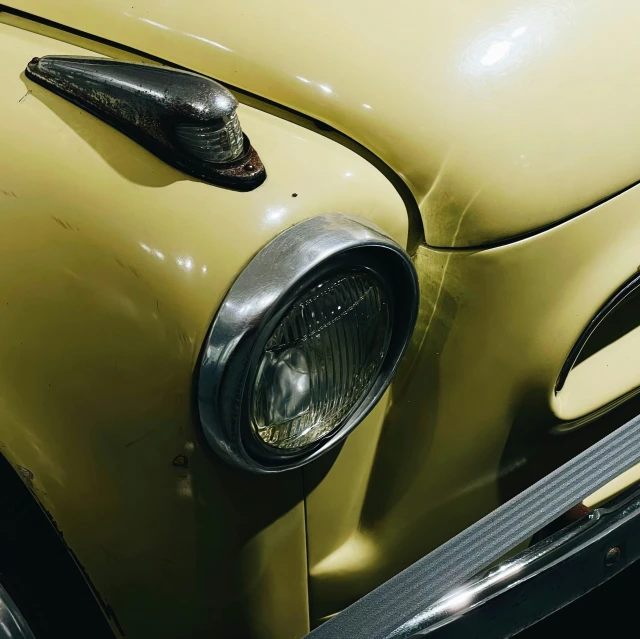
point(187, 120)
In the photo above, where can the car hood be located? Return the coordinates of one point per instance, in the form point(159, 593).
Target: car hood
point(502, 116)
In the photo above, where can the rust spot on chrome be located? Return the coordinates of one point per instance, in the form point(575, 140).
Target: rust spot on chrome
point(151, 104)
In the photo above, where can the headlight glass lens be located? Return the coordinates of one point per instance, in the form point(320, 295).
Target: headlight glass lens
point(320, 360)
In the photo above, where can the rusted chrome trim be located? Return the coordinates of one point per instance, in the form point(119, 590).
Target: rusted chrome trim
point(401, 607)
point(161, 108)
point(540, 580)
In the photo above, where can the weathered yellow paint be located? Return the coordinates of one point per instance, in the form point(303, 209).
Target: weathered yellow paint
point(502, 117)
point(127, 260)
point(475, 390)
point(113, 265)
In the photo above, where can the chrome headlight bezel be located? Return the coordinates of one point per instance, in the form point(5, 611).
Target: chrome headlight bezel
point(278, 275)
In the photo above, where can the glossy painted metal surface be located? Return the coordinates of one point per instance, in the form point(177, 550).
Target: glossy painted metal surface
point(141, 311)
point(471, 404)
point(113, 266)
point(502, 117)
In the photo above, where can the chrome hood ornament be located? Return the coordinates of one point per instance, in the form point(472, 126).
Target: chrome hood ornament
point(187, 120)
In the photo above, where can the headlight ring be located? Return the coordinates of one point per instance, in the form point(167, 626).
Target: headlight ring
point(317, 298)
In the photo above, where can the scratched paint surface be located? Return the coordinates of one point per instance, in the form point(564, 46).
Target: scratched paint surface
point(113, 265)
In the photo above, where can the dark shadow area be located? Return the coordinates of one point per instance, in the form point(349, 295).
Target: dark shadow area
point(540, 451)
point(39, 572)
point(417, 376)
point(606, 611)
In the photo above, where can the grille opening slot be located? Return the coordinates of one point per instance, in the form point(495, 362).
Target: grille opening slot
point(604, 364)
point(621, 320)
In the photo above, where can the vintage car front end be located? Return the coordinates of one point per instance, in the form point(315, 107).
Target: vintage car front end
point(486, 160)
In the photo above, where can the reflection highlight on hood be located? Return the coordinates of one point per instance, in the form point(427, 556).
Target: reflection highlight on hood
point(152, 251)
point(506, 46)
point(496, 52)
point(499, 49)
point(164, 27)
point(185, 262)
point(325, 88)
point(275, 214)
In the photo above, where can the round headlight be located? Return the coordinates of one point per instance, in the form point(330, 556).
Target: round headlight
point(321, 358)
point(305, 343)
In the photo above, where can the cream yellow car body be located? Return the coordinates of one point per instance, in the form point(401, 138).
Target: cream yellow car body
point(502, 115)
point(114, 265)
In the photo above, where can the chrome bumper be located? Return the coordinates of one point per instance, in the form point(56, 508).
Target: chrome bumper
point(419, 601)
point(542, 579)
